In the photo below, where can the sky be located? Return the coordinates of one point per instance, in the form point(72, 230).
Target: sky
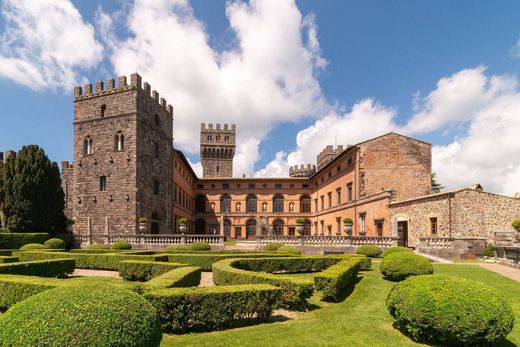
point(294, 76)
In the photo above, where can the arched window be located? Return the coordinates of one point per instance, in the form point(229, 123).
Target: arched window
point(218, 168)
point(200, 203)
point(227, 227)
point(200, 226)
point(251, 201)
point(278, 203)
point(225, 203)
point(250, 228)
point(87, 146)
point(157, 120)
point(103, 110)
point(278, 227)
point(305, 203)
point(119, 143)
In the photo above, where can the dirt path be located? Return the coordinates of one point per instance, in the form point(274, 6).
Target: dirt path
point(503, 270)
point(206, 279)
point(100, 273)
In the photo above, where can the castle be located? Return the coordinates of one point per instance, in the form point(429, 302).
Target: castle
point(125, 167)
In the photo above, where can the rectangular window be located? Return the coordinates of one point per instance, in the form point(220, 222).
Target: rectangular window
point(362, 223)
point(251, 186)
point(338, 169)
point(379, 227)
point(200, 186)
point(278, 185)
point(305, 185)
point(225, 185)
point(315, 205)
point(156, 188)
point(338, 196)
point(338, 226)
point(433, 225)
point(322, 198)
point(349, 192)
point(102, 183)
point(329, 199)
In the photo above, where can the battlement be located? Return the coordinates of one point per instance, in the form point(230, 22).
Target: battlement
point(303, 170)
point(135, 84)
point(223, 128)
point(328, 154)
point(66, 165)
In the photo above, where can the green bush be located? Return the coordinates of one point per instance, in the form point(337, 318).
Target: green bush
point(200, 246)
point(67, 238)
point(141, 270)
point(171, 248)
point(273, 246)
point(32, 246)
point(42, 268)
point(285, 265)
point(187, 276)
point(395, 249)
point(212, 308)
point(289, 250)
point(94, 261)
point(448, 310)
point(371, 251)
point(17, 288)
point(400, 265)
point(89, 315)
point(55, 244)
point(8, 259)
point(97, 246)
point(334, 281)
point(489, 251)
point(516, 223)
point(206, 260)
point(6, 252)
point(17, 240)
point(121, 245)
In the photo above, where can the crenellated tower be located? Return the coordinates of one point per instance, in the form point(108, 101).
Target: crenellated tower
point(327, 155)
point(217, 149)
point(302, 171)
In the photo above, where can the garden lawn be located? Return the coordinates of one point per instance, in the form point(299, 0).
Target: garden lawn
point(360, 320)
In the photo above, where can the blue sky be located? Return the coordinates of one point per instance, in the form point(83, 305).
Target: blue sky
point(383, 56)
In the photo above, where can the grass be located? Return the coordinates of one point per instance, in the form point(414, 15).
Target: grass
point(360, 320)
point(230, 243)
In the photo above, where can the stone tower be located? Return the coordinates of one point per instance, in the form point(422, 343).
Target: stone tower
point(217, 149)
point(327, 155)
point(123, 160)
point(302, 171)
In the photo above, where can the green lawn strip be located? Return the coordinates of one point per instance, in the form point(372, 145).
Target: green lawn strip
point(360, 320)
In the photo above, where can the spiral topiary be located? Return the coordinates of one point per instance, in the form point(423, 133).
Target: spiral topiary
point(55, 244)
point(400, 265)
point(371, 251)
point(91, 314)
point(395, 249)
point(449, 310)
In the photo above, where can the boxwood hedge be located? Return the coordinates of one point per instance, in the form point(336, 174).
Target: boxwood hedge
point(371, 251)
point(17, 288)
point(187, 276)
point(17, 240)
point(212, 308)
point(142, 270)
point(448, 310)
point(205, 261)
point(42, 268)
point(8, 259)
point(32, 246)
point(55, 243)
point(334, 281)
point(400, 265)
point(395, 249)
point(89, 315)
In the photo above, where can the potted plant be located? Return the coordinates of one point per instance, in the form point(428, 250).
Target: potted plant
point(143, 225)
point(300, 225)
point(516, 224)
point(68, 225)
point(347, 222)
point(183, 225)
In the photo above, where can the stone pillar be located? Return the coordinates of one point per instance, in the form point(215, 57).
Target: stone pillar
point(107, 228)
point(221, 225)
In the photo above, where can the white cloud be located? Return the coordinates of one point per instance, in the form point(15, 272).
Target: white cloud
point(269, 76)
point(45, 42)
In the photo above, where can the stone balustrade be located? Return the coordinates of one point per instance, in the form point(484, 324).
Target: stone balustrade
point(151, 240)
point(452, 247)
point(326, 240)
point(436, 242)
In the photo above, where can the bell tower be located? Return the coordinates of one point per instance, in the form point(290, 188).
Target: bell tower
point(217, 149)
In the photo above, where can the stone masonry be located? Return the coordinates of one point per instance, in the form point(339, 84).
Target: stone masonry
point(217, 149)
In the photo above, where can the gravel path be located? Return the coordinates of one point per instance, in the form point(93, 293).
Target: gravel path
point(99, 273)
point(503, 270)
point(206, 279)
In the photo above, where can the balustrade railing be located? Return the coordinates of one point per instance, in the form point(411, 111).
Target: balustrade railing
point(154, 239)
point(326, 240)
point(436, 242)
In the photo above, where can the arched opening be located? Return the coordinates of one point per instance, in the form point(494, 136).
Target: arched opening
point(154, 223)
point(87, 146)
point(103, 110)
point(251, 202)
point(119, 141)
point(307, 227)
point(305, 203)
point(200, 226)
point(225, 203)
point(278, 227)
point(250, 228)
point(278, 203)
point(227, 227)
point(200, 203)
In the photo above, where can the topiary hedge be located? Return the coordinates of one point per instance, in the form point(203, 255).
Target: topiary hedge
point(205, 261)
point(395, 249)
point(187, 276)
point(8, 259)
point(17, 288)
point(400, 265)
point(55, 244)
point(212, 308)
point(371, 251)
point(89, 315)
point(173, 248)
point(142, 270)
point(334, 281)
point(32, 247)
point(200, 246)
point(17, 240)
point(273, 246)
point(121, 245)
point(450, 311)
point(289, 250)
point(97, 246)
point(41, 268)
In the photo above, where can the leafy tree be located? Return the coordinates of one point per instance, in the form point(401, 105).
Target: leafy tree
point(30, 187)
point(436, 186)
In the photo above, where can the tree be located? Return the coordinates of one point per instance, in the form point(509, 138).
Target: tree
point(436, 186)
point(30, 187)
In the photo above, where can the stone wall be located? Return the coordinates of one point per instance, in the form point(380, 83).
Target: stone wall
point(217, 149)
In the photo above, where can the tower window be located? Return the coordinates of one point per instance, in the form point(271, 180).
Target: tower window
point(119, 141)
point(217, 138)
point(157, 120)
point(156, 187)
point(156, 150)
point(87, 146)
point(226, 138)
point(102, 183)
point(103, 110)
point(209, 138)
point(218, 168)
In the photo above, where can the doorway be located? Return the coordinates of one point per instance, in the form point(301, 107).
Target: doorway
point(402, 233)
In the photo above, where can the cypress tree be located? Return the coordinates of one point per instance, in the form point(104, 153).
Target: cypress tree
point(30, 187)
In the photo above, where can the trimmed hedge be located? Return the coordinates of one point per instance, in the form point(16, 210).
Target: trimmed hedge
point(205, 261)
point(334, 281)
point(200, 246)
point(55, 244)
point(89, 315)
point(142, 270)
point(17, 288)
point(17, 240)
point(7, 252)
point(41, 268)
point(121, 245)
point(395, 249)
point(96, 251)
point(95, 261)
point(175, 247)
point(371, 251)
point(212, 308)
point(285, 265)
point(97, 246)
point(273, 246)
point(448, 310)
point(187, 276)
point(289, 250)
point(32, 247)
point(7, 259)
point(400, 265)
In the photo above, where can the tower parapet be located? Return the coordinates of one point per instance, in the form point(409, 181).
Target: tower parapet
point(217, 149)
point(302, 171)
point(328, 154)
